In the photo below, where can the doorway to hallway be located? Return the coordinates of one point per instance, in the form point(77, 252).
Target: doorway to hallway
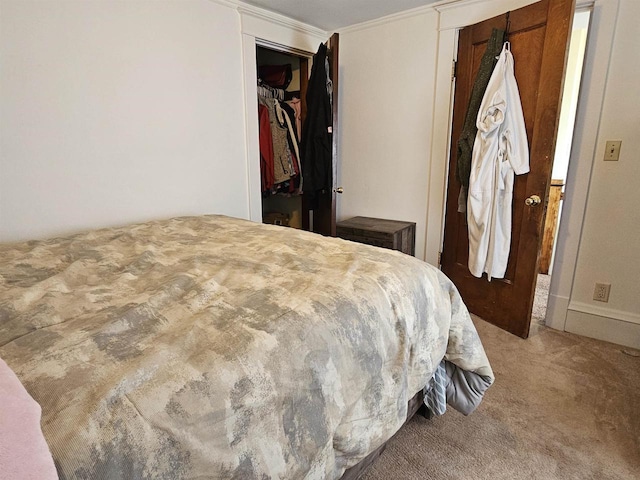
point(564, 141)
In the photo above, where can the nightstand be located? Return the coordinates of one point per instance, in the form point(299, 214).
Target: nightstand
point(379, 232)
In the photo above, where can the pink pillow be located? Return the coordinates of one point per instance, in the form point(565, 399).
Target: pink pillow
point(24, 453)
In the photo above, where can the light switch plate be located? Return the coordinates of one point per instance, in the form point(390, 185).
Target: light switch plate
point(612, 150)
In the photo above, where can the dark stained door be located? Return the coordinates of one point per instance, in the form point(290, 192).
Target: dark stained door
point(323, 217)
point(539, 36)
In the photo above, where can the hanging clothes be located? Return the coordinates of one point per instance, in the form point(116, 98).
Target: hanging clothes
point(296, 105)
point(291, 113)
point(284, 118)
point(500, 150)
point(315, 147)
point(469, 129)
point(266, 149)
point(282, 163)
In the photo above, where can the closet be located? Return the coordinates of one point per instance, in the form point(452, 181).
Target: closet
point(283, 77)
point(282, 81)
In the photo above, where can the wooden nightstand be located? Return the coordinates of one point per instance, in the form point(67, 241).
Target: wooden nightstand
point(379, 232)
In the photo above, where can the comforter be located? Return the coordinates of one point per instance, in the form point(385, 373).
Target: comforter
point(213, 347)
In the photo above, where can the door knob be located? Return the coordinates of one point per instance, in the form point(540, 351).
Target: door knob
point(338, 190)
point(533, 201)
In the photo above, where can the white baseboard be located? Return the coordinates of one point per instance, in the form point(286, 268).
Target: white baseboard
point(603, 311)
point(603, 328)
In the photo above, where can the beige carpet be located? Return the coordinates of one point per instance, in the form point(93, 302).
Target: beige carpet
point(540, 299)
point(563, 407)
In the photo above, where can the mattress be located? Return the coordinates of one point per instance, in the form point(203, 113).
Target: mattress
point(213, 347)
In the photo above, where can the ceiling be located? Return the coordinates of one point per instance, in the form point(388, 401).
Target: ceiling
point(330, 15)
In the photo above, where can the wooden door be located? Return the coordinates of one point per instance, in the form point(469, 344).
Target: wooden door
point(539, 36)
point(323, 218)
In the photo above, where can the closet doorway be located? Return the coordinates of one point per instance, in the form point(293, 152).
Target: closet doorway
point(283, 80)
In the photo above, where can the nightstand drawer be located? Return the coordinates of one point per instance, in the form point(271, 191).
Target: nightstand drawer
point(392, 234)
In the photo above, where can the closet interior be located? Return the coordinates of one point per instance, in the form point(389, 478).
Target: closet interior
point(282, 83)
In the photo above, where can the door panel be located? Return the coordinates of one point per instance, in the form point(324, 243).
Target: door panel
point(539, 38)
point(324, 216)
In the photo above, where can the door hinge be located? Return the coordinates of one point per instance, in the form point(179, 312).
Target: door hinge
point(454, 70)
point(439, 258)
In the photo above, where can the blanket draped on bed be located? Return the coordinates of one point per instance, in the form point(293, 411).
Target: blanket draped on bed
point(212, 347)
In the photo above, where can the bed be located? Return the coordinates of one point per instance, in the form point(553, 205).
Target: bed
point(214, 347)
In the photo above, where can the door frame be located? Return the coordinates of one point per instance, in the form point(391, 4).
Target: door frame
point(263, 28)
point(455, 16)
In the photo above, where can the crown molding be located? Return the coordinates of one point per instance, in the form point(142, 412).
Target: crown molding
point(226, 3)
point(272, 17)
point(445, 5)
point(394, 17)
point(282, 20)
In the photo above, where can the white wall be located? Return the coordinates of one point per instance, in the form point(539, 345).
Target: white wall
point(610, 236)
point(387, 83)
point(113, 112)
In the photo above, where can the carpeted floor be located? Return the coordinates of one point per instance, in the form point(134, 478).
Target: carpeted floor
point(540, 299)
point(563, 407)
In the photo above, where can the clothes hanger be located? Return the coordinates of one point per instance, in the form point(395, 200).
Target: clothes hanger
point(507, 28)
point(270, 92)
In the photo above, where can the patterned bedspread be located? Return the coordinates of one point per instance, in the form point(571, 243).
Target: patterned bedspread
point(212, 347)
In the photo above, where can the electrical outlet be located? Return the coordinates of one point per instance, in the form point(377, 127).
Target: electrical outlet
point(601, 292)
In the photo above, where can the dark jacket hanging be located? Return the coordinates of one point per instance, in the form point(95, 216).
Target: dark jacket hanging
point(315, 146)
point(469, 129)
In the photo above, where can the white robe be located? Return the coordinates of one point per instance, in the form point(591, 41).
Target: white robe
point(500, 150)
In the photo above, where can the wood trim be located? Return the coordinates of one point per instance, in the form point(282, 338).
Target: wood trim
point(304, 85)
point(550, 225)
point(273, 18)
point(252, 147)
point(305, 64)
point(277, 47)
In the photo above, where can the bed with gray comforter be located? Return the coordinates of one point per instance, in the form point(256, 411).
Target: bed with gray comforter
point(212, 347)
